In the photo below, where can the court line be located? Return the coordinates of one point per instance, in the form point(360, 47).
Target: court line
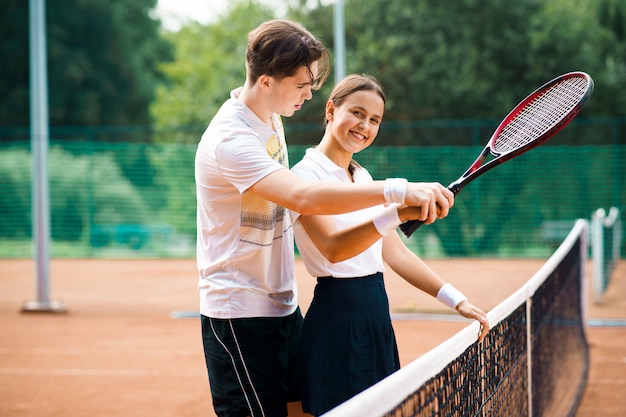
point(428, 317)
point(100, 372)
point(607, 322)
point(607, 381)
point(96, 351)
point(394, 316)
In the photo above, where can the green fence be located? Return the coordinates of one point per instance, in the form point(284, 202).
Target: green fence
point(125, 200)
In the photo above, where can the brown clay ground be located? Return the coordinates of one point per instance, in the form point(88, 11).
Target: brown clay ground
point(117, 351)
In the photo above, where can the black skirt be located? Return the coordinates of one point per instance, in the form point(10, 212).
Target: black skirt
point(348, 343)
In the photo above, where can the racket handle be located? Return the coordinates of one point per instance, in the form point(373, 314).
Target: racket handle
point(410, 226)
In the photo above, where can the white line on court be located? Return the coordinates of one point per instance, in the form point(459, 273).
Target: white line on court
point(429, 317)
point(608, 381)
point(97, 351)
point(101, 372)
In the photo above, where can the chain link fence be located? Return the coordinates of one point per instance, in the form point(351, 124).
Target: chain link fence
point(131, 199)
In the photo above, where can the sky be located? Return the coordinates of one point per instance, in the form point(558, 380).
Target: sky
point(174, 13)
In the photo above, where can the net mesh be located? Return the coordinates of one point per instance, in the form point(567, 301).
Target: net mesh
point(534, 361)
point(559, 349)
point(541, 114)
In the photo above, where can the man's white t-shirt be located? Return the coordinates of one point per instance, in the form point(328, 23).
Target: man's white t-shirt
point(315, 166)
point(245, 250)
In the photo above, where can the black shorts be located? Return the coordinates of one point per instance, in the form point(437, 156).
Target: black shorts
point(251, 364)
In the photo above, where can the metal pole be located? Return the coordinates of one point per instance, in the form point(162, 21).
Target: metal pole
point(340, 42)
point(597, 253)
point(39, 146)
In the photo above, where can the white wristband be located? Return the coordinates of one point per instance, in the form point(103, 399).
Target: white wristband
point(387, 220)
point(450, 296)
point(395, 190)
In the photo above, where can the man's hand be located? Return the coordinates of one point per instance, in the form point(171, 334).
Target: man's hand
point(432, 199)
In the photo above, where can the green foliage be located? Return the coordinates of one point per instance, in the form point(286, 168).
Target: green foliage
point(444, 65)
point(14, 75)
point(174, 165)
point(114, 200)
point(84, 191)
point(459, 59)
point(96, 209)
point(610, 52)
point(504, 210)
point(102, 62)
point(15, 198)
point(109, 64)
point(209, 62)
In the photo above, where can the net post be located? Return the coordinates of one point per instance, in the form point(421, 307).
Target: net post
point(616, 243)
point(584, 246)
point(597, 252)
point(529, 355)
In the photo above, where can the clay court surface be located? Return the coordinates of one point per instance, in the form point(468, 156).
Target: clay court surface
point(119, 351)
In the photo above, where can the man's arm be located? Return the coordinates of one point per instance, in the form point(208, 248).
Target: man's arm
point(287, 189)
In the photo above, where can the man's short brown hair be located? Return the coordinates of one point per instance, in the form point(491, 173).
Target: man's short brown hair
point(278, 48)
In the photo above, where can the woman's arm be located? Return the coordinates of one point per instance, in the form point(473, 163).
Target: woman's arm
point(410, 266)
point(339, 245)
point(416, 272)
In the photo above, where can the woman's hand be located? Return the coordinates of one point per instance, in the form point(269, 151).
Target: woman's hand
point(468, 310)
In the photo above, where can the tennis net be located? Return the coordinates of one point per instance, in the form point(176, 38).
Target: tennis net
point(533, 362)
point(606, 242)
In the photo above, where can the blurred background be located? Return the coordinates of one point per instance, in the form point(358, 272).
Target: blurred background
point(132, 84)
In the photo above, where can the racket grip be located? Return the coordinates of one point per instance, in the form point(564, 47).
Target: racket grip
point(410, 226)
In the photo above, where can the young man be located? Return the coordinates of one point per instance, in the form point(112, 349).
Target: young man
point(250, 317)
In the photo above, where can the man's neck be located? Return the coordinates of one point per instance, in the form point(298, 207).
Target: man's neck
point(252, 97)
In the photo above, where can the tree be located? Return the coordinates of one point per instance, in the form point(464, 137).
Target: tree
point(611, 52)
point(102, 62)
point(209, 62)
point(463, 59)
point(437, 60)
point(14, 78)
point(93, 192)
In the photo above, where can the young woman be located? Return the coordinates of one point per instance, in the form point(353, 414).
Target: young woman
point(248, 296)
point(348, 342)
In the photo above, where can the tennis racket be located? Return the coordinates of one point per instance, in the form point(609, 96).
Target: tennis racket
point(533, 121)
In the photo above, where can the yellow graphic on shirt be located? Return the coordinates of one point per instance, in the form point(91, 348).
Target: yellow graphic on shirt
point(262, 220)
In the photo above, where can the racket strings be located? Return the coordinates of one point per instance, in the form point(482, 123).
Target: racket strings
point(541, 114)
